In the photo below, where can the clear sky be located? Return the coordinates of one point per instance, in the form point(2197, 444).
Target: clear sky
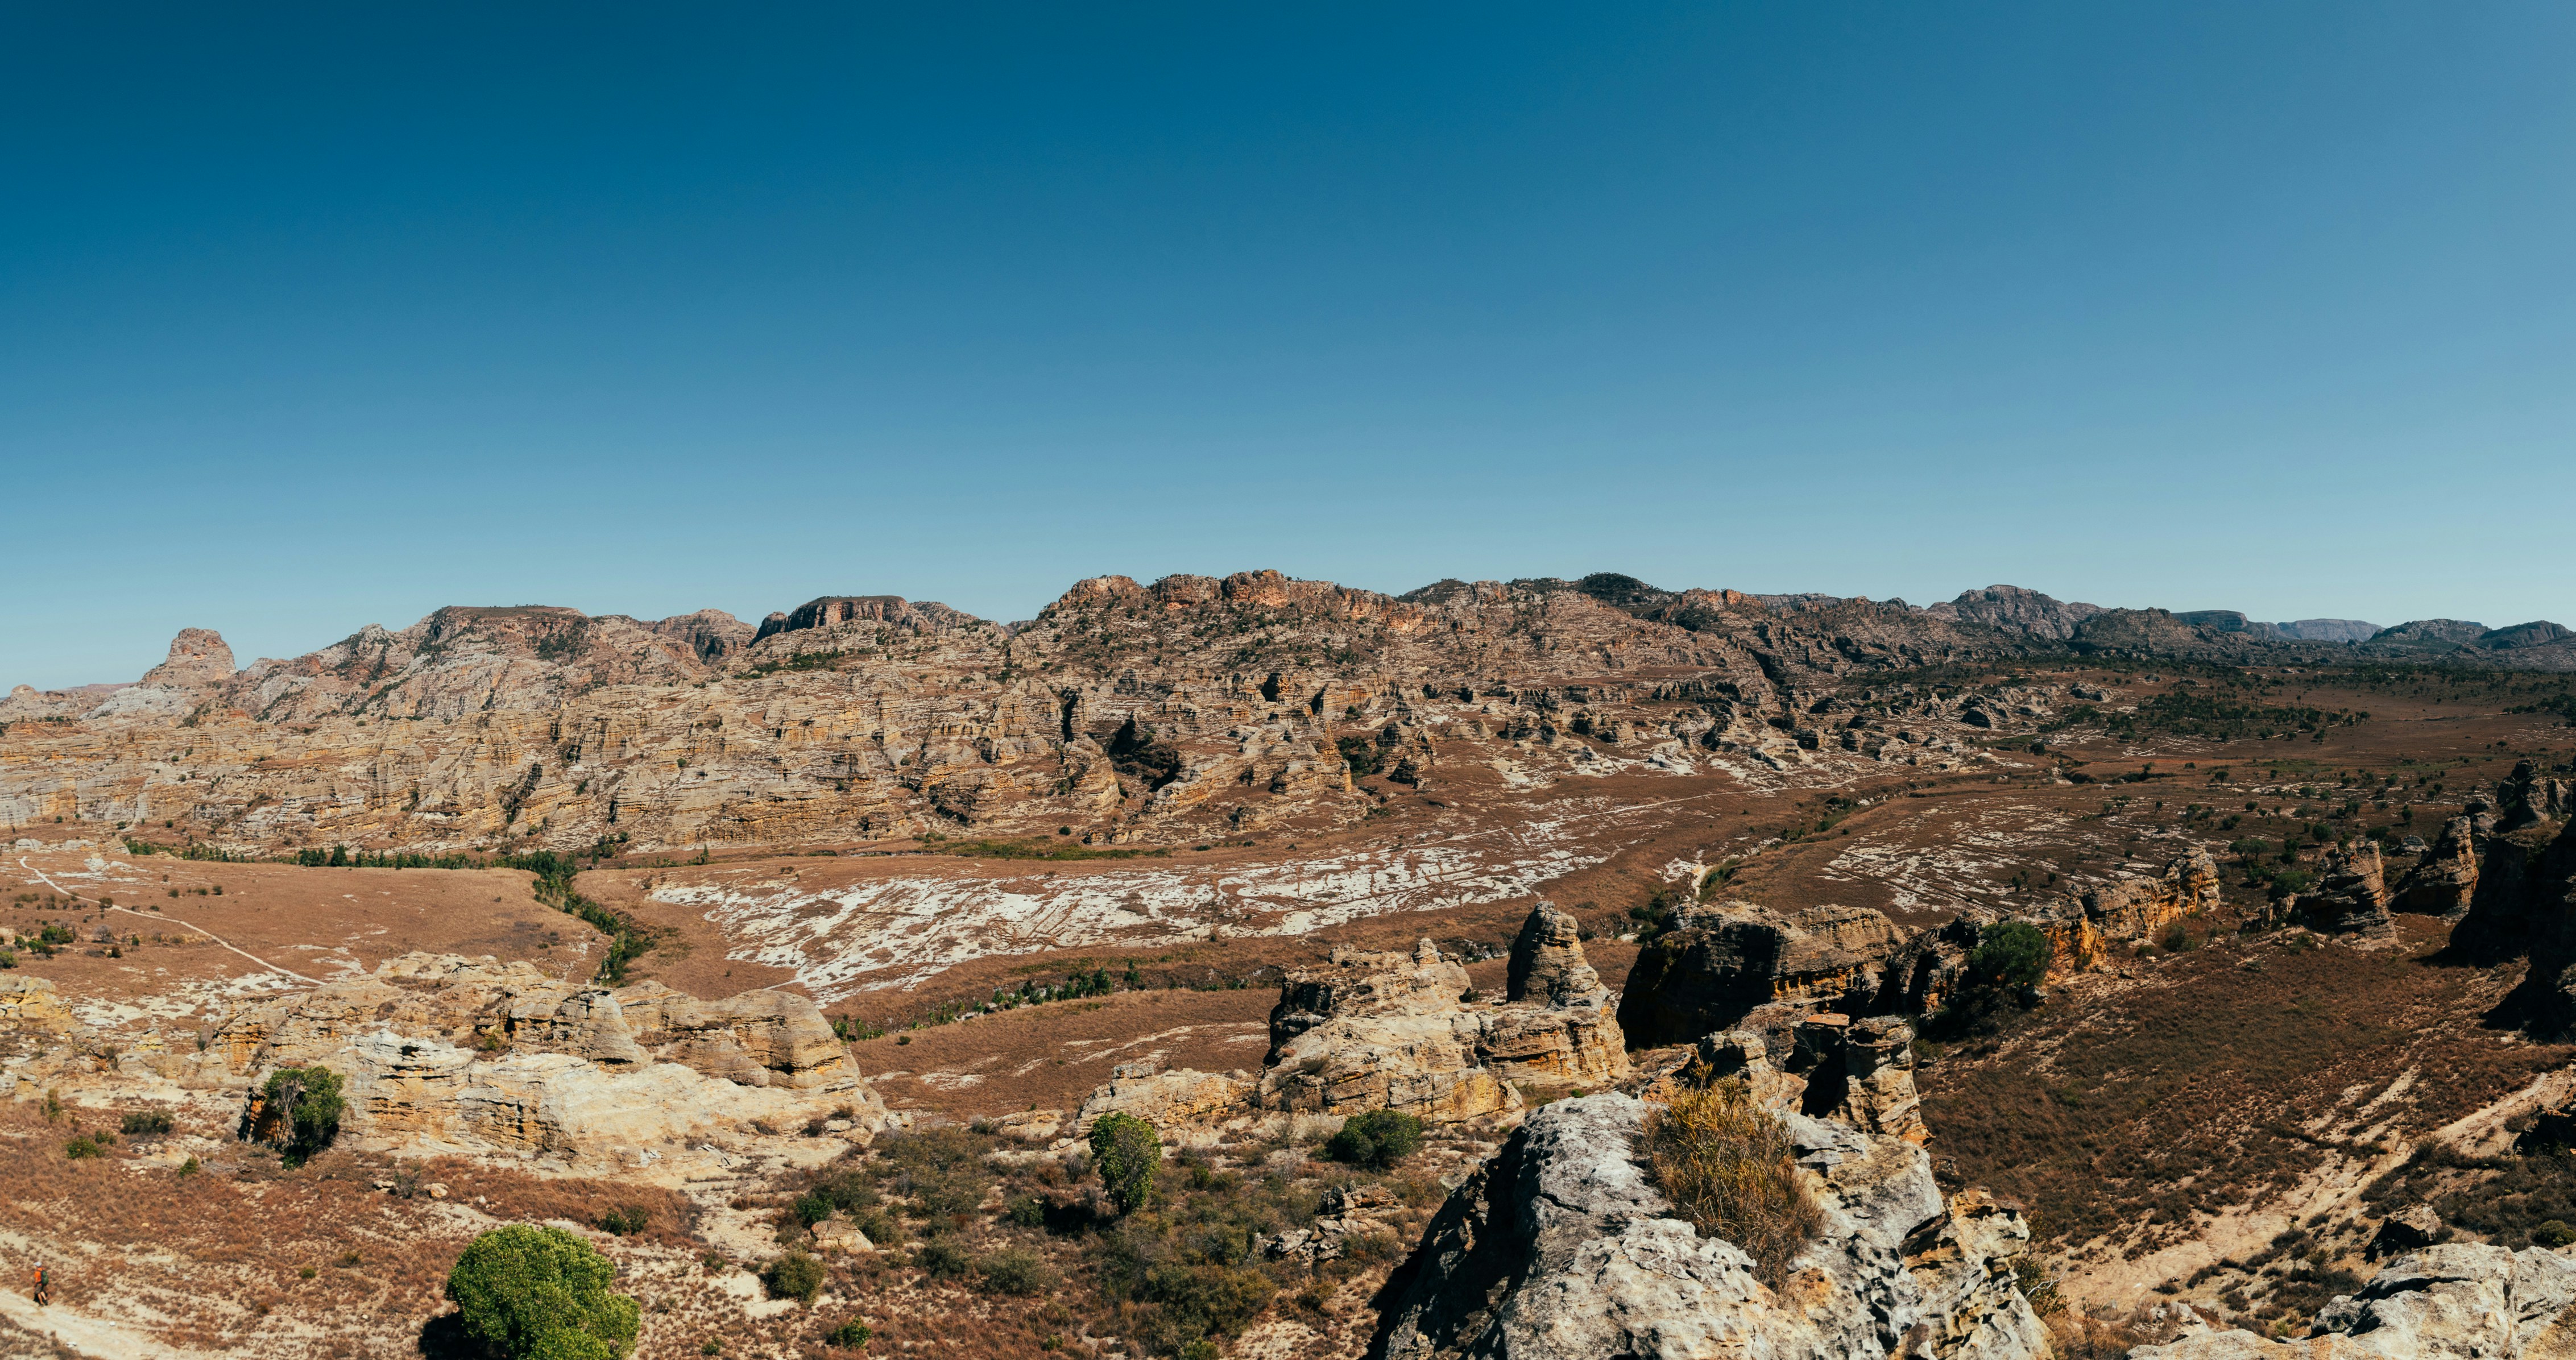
point(311, 318)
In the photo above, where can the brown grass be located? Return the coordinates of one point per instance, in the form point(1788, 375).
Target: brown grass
point(1730, 1168)
point(2220, 1078)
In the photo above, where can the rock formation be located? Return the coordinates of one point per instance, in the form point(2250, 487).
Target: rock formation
point(2454, 1302)
point(1394, 1031)
point(198, 660)
point(1717, 963)
point(1561, 1248)
point(2351, 896)
point(2445, 880)
point(2527, 797)
point(1547, 963)
point(472, 1054)
point(1180, 1102)
point(2525, 905)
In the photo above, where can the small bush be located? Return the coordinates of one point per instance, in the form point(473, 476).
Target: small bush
point(626, 1222)
point(1377, 1139)
point(82, 1146)
point(1017, 1272)
point(1730, 1168)
point(943, 1259)
point(850, 1335)
point(793, 1276)
point(2553, 1233)
point(145, 1121)
point(541, 1292)
point(1128, 1153)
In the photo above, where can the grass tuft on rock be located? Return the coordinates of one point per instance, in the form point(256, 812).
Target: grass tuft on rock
point(1729, 1167)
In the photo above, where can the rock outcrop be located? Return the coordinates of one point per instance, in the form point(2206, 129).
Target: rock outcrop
point(1547, 963)
point(1178, 1101)
point(1562, 1248)
point(1381, 1031)
point(2525, 906)
point(1719, 962)
point(1395, 1031)
point(29, 1005)
point(2458, 1302)
point(2351, 896)
point(473, 1054)
point(2445, 880)
point(2528, 797)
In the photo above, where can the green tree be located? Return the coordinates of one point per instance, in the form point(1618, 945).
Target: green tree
point(300, 1108)
point(2010, 956)
point(530, 1293)
point(1127, 1152)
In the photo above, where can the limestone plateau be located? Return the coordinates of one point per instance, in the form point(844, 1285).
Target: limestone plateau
point(1187, 708)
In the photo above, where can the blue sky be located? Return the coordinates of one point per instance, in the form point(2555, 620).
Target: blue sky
point(315, 318)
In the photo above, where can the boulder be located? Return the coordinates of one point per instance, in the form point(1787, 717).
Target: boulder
point(2351, 896)
point(2440, 1303)
point(2445, 880)
point(1561, 1247)
point(1719, 962)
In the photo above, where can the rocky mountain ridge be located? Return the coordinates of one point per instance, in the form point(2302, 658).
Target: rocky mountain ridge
point(1196, 703)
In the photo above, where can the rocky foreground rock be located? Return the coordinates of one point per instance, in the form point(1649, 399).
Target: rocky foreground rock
point(1562, 1248)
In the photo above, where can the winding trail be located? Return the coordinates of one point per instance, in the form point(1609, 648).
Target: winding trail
point(165, 916)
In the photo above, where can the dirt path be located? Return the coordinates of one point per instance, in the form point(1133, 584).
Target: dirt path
point(87, 1335)
point(166, 917)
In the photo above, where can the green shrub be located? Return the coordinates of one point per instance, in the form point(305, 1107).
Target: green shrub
point(1377, 1139)
point(83, 1145)
point(1730, 1167)
point(626, 1222)
point(145, 1121)
point(944, 1259)
point(1194, 1302)
point(2553, 1233)
point(1016, 1271)
point(541, 1294)
point(1127, 1153)
point(850, 1335)
point(793, 1276)
point(300, 1109)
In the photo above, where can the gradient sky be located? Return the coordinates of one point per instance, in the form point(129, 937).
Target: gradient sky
point(316, 318)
